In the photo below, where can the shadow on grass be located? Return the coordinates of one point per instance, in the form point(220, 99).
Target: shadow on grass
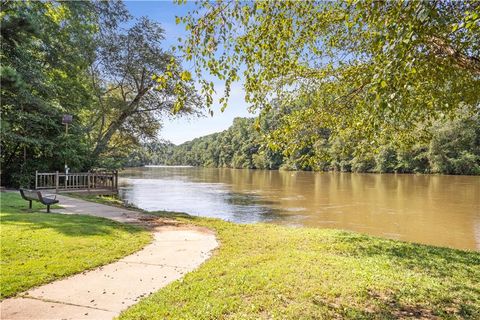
point(444, 264)
point(15, 212)
point(436, 260)
point(70, 225)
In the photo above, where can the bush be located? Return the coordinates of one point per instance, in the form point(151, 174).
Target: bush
point(467, 163)
point(386, 160)
point(454, 148)
point(362, 164)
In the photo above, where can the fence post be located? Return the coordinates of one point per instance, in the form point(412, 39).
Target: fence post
point(115, 174)
point(36, 179)
point(56, 181)
point(88, 181)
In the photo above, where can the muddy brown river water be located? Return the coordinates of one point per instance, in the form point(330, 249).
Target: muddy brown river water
point(431, 209)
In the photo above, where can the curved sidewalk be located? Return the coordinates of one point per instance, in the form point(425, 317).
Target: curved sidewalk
point(104, 292)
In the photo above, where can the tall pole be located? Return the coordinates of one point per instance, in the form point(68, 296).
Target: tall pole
point(66, 136)
point(66, 166)
point(66, 119)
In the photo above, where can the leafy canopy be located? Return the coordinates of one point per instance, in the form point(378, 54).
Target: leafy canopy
point(89, 59)
point(365, 69)
point(46, 46)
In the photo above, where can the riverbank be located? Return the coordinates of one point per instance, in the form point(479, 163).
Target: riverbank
point(268, 271)
point(414, 208)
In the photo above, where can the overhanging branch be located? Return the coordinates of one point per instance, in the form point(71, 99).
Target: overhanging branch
point(464, 61)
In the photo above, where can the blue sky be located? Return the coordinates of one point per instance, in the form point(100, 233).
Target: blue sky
point(181, 130)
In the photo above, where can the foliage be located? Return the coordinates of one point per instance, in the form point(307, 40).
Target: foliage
point(38, 247)
point(452, 147)
point(369, 70)
point(302, 273)
point(156, 152)
point(45, 46)
point(238, 147)
point(88, 59)
point(455, 148)
point(128, 105)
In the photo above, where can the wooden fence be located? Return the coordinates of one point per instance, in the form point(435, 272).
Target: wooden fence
point(81, 181)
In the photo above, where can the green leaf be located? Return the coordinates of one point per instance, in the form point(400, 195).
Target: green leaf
point(186, 76)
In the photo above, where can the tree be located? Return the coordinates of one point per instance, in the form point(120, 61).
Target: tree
point(372, 70)
point(454, 148)
point(128, 100)
point(46, 48)
point(75, 57)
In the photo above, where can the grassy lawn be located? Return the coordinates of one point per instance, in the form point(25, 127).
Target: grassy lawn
point(268, 271)
point(37, 247)
point(274, 272)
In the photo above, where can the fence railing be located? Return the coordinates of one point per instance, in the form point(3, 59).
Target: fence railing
point(61, 181)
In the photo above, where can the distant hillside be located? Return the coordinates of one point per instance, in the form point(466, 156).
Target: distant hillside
point(240, 146)
point(454, 148)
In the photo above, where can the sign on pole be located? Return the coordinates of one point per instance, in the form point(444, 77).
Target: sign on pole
point(67, 118)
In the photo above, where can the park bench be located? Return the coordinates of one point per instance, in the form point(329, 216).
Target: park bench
point(33, 195)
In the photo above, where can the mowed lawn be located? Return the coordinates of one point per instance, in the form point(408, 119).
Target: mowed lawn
point(272, 272)
point(37, 247)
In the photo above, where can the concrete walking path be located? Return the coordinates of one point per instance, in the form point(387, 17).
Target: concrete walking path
point(106, 291)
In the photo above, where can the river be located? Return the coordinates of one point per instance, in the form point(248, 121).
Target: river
point(439, 210)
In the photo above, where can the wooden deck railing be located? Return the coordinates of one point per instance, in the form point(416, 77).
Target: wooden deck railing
point(61, 181)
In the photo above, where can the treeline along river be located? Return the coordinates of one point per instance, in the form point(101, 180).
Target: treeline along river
point(431, 209)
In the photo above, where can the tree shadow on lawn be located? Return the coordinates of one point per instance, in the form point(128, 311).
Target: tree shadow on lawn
point(455, 271)
point(454, 291)
point(437, 260)
point(457, 267)
point(70, 225)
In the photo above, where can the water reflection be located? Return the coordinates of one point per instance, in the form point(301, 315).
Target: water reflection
point(439, 210)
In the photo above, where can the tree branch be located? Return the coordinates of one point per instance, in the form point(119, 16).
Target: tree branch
point(441, 47)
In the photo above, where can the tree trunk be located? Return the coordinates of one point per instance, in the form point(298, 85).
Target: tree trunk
point(103, 141)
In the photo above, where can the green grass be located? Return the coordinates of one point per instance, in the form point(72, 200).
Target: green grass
point(37, 247)
point(108, 200)
point(266, 271)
